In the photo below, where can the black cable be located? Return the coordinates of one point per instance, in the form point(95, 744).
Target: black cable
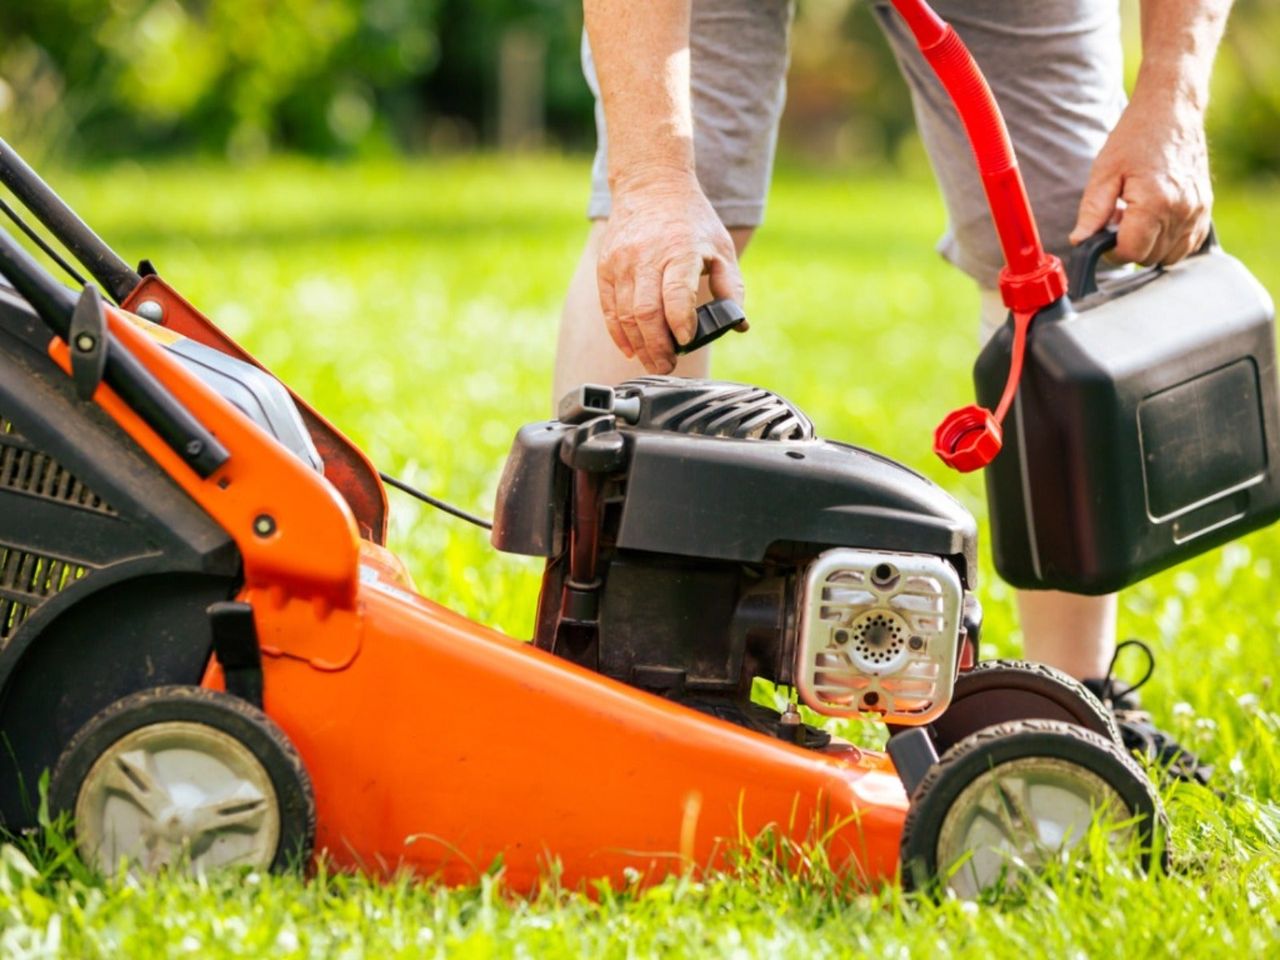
point(40, 242)
point(438, 504)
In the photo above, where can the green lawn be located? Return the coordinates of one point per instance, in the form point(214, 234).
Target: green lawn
point(416, 306)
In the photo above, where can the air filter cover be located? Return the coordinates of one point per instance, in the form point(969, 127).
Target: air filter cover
point(879, 632)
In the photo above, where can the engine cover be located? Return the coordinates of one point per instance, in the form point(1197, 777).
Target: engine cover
point(728, 472)
point(879, 632)
point(699, 536)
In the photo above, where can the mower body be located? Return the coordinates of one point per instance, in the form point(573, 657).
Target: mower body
point(432, 742)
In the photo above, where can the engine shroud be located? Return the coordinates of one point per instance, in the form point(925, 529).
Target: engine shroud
point(728, 496)
point(680, 517)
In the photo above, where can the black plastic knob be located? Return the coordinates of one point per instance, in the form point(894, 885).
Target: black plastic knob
point(715, 319)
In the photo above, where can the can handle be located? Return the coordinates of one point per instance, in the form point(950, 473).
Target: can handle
point(1082, 264)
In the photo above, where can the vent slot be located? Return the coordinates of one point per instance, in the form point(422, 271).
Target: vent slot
point(36, 474)
point(714, 408)
point(27, 580)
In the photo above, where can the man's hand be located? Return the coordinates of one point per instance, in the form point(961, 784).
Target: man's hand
point(1153, 171)
point(662, 237)
point(1156, 164)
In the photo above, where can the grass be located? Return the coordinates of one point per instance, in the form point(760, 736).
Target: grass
point(417, 307)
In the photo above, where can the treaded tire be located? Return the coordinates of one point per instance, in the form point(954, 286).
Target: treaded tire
point(229, 715)
point(1001, 691)
point(988, 749)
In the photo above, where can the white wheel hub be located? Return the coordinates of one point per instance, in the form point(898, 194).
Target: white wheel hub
point(178, 792)
point(1024, 814)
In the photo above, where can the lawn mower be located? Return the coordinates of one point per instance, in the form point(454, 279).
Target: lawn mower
point(205, 639)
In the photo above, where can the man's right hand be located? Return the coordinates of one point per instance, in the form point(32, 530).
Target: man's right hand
point(661, 238)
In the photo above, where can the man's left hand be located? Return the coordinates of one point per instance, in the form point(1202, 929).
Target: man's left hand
point(1153, 176)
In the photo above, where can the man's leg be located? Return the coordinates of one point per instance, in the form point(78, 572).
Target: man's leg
point(738, 63)
point(584, 351)
point(1056, 70)
point(1069, 631)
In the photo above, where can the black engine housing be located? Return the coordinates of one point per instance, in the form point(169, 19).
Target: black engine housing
point(677, 515)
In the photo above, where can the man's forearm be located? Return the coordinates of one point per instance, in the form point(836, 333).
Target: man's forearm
point(1154, 167)
point(662, 234)
point(641, 51)
point(1179, 41)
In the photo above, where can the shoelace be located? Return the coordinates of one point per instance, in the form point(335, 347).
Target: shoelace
point(1110, 695)
point(1137, 731)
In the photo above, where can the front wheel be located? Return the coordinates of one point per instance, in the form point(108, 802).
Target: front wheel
point(1017, 796)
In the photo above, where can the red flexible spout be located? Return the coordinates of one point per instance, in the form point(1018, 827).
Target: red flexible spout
point(1031, 278)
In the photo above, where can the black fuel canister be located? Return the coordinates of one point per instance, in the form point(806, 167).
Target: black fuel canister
point(1146, 428)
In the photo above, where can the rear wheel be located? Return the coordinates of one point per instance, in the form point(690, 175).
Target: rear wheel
point(182, 776)
point(1017, 796)
point(1001, 691)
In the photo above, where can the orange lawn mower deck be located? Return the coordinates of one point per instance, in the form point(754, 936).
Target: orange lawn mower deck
point(203, 636)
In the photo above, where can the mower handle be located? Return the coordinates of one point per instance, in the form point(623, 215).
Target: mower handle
point(122, 371)
point(117, 278)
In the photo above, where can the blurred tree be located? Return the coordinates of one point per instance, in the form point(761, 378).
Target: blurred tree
point(465, 83)
point(131, 76)
point(1244, 116)
point(846, 104)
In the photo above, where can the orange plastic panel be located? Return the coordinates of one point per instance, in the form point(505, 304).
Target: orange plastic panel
point(311, 549)
point(444, 746)
point(345, 464)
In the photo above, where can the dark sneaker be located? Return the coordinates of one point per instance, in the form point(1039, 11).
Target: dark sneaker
point(1139, 734)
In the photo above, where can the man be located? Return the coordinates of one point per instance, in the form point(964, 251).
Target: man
point(688, 96)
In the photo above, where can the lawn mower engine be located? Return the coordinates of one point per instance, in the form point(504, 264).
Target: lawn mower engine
point(700, 535)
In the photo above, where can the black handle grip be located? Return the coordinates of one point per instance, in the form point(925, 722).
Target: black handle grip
point(715, 319)
point(123, 372)
point(1082, 264)
point(116, 276)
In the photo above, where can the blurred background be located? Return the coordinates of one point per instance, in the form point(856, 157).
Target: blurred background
point(242, 79)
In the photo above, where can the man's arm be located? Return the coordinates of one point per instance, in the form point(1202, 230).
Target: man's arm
point(1156, 160)
point(662, 234)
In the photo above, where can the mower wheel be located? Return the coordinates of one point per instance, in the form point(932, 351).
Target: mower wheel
point(1001, 691)
point(185, 777)
point(1017, 796)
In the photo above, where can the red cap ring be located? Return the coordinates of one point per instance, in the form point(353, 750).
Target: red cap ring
point(968, 439)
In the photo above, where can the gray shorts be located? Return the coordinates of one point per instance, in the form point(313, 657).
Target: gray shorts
point(1056, 68)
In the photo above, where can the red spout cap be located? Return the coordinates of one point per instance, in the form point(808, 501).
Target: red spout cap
point(968, 439)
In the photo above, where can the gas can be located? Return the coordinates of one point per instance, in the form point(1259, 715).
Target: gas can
point(1145, 429)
